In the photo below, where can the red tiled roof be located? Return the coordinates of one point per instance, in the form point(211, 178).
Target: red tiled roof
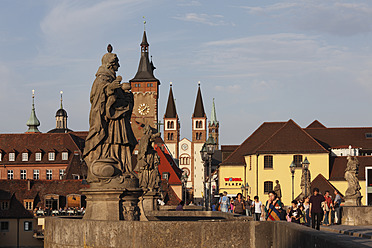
point(316, 124)
point(335, 137)
point(37, 142)
point(165, 166)
point(39, 189)
point(252, 142)
point(291, 138)
point(170, 197)
point(337, 166)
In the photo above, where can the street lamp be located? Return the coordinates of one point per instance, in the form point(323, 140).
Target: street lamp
point(305, 166)
point(184, 178)
point(206, 153)
point(292, 168)
point(242, 188)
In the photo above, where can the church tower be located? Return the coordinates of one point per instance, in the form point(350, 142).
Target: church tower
point(145, 88)
point(213, 126)
point(61, 120)
point(33, 121)
point(172, 126)
point(199, 137)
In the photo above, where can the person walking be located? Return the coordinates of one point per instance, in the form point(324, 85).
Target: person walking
point(295, 213)
point(248, 206)
point(327, 207)
point(307, 211)
point(224, 202)
point(258, 208)
point(273, 207)
point(239, 204)
point(316, 211)
point(337, 208)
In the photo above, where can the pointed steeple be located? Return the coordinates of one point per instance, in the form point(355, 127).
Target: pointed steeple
point(170, 111)
point(145, 68)
point(199, 106)
point(213, 120)
point(33, 122)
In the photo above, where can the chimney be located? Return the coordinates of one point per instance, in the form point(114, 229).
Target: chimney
point(28, 185)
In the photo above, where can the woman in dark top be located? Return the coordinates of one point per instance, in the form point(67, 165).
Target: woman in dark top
point(316, 211)
point(295, 214)
point(239, 204)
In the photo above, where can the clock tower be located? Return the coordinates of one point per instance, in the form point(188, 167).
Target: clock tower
point(145, 88)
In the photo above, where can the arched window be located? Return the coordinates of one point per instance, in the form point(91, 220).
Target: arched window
point(268, 186)
point(297, 160)
point(171, 124)
point(200, 136)
point(184, 160)
point(168, 124)
point(268, 162)
point(171, 136)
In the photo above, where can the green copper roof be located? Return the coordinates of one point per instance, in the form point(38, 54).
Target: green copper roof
point(33, 122)
point(213, 120)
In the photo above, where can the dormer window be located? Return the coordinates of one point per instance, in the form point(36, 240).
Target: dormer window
point(1, 156)
point(51, 156)
point(38, 156)
point(12, 156)
point(25, 156)
point(64, 155)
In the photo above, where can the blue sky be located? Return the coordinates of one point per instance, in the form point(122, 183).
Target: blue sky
point(260, 60)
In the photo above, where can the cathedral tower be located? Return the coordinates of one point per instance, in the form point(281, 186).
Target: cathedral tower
point(213, 126)
point(145, 88)
point(172, 126)
point(199, 120)
point(33, 122)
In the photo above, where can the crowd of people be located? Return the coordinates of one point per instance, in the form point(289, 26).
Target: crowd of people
point(310, 211)
point(71, 211)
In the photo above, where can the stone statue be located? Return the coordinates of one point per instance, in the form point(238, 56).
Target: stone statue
point(110, 141)
point(352, 194)
point(305, 184)
point(148, 161)
point(278, 190)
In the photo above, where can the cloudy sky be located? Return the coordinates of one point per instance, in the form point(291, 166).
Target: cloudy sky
point(260, 60)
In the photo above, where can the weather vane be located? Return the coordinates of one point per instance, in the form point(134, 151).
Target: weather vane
point(144, 23)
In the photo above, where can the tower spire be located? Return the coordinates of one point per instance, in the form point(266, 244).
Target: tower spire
point(199, 106)
point(213, 120)
point(33, 122)
point(170, 111)
point(61, 99)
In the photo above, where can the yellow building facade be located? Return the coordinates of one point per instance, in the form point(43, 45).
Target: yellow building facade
point(266, 155)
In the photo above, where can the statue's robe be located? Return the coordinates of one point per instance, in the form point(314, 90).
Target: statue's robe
point(110, 133)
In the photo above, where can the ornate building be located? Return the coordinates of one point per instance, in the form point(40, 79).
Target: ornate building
point(61, 120)
point(188, 152)
point(145, 88)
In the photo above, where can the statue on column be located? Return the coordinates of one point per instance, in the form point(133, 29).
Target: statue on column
point(110, 141)
point(305, 183)
point(148, 161)
point(352, 195)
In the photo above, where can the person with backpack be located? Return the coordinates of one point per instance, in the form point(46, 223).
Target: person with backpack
point(224, 202)
point(273, 208)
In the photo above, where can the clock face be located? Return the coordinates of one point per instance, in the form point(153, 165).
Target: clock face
point(143, 109)
point(184, 147)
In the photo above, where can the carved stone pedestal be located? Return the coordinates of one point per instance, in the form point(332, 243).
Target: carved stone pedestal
point(112, 204)
point(355, 200)
point(149, 201)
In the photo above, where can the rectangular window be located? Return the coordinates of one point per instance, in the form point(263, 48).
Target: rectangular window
point(75, 176)
point(49, 174)
point(27, 225)
point(268, 162)
point(51, 156)
point(36, 174)
point(61, 174)
point(297, 160)
point(10, 174)
point(1, 156)
point(4, 205)
point(64, 155)
point(29, 205)
point(25, 156)
point(4, 226)
point(12, 156)
point(38, 156)
point(23, 174)
point(268, 186)
point(165, 175)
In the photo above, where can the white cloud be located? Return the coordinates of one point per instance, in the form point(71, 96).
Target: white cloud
point(333, 17)
point(232, 89)
point(211, 20)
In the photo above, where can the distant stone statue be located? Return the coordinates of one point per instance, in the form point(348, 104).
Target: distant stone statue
point(278, 190)
point(352, 194)
point(305, 184)
point(148, 161)
point(110, 141)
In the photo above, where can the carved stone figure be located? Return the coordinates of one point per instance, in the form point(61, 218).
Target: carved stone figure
point(305, 183)
point(352, 194)
point(110, 141)
point(148, 161)
point(278, 190)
